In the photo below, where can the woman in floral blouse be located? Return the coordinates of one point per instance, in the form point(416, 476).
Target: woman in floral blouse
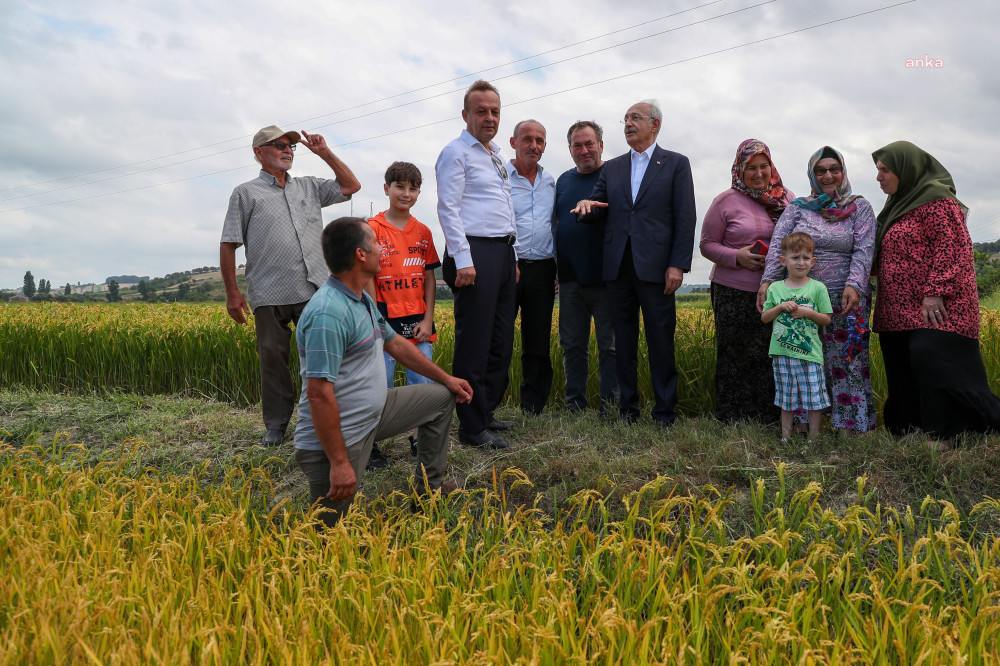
point(927, 310)
point(843, 226)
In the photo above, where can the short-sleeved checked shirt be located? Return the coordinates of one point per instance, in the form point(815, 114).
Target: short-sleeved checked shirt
point(340, 338)
point(281, 229)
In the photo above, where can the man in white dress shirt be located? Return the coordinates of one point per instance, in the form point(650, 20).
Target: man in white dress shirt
point(477, 216)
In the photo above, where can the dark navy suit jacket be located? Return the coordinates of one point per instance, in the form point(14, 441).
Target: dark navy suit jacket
point(661, 221)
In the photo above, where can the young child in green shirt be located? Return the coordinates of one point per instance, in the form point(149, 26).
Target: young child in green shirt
point(798, 306)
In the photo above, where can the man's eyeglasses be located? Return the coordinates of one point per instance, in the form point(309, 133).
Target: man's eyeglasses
point(501, 169)
point(834, 171)
point(281, 145)
point(635, 118)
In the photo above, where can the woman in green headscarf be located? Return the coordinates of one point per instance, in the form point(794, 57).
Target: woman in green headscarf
point(927, 308)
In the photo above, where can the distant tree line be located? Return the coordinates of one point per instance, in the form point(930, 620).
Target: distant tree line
point(125, 279)
point(989, 248)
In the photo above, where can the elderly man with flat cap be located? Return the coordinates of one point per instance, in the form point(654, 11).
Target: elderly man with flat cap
point(279, 221)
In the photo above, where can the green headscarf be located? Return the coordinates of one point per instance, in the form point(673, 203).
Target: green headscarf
point(922, 179)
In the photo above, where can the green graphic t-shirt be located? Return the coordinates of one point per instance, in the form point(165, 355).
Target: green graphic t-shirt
point(797, 338)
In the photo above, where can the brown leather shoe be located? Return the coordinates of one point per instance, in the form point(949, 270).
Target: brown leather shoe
point(448, 486)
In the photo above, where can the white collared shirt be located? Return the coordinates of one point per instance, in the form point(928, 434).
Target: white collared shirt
point(473, 198)
point(533, 213)
point(639, 163)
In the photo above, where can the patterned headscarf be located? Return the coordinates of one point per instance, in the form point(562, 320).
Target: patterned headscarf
point(834, 206)
point(772, 199)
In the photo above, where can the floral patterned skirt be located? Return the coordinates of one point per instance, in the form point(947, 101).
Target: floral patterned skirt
point(850, 384)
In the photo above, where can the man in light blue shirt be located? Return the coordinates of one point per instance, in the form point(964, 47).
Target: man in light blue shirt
point(477, 216)
point(533, 190)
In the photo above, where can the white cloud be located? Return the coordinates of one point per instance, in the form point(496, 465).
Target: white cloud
point(90, 86)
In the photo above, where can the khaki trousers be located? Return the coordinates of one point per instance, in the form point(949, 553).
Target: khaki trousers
point(274, 342)
point(427, 407)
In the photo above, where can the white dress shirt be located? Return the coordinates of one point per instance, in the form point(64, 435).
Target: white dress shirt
point(639, 163)
point(533, 213)
point(473, 197)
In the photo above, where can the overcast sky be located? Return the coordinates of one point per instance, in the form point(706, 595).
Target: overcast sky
point(128, 124)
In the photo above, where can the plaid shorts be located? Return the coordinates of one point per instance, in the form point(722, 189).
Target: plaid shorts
point(799, 384)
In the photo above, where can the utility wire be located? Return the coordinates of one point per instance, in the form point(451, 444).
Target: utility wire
point(523, 101)
point(349, 108)
point(390, 108)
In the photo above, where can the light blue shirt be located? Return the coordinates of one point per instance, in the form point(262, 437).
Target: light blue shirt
point(639, 163)
point(473, 195)
point(533, 213)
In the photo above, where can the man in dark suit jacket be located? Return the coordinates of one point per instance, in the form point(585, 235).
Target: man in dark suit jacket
point(646, 200)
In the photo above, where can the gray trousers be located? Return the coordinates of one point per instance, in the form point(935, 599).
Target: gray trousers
point(577, 305)
point(274, 336)
point(427, 407)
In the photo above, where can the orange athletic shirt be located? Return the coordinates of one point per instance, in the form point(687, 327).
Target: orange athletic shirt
point(406, 254)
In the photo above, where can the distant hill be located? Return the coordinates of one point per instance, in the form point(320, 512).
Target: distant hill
point(126, 279)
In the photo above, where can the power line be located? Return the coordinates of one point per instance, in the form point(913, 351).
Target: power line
point(344, 110)
point(404, 104)
point(523, 101)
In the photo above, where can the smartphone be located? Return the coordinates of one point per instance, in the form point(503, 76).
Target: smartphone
point(759, 247)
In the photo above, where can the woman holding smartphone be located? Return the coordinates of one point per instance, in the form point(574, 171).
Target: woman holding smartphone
point(734, 236)
point(843, 226)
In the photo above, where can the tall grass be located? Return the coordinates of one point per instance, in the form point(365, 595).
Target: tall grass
point(196, 349)
point(114, 565)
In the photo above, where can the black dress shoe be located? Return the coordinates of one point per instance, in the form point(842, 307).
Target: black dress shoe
point(487, 439)
point(376, 460)
point(628, 417)
point(273, 437)
point(499, 426)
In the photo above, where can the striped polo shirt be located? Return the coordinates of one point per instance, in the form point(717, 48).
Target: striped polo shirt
point(340, 338)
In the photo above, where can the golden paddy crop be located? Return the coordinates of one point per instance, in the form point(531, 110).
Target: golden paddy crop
point(197, 349)
point(114, 564)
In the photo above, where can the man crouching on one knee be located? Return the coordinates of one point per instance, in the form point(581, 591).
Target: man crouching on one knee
point(345, 405)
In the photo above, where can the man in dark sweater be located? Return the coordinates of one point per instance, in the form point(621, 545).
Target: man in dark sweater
point(582, 294)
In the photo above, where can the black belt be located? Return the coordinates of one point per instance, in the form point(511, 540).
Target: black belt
point(525, 262)
point(509, 239)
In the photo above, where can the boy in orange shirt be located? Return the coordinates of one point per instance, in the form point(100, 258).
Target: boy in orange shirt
point(405, 286)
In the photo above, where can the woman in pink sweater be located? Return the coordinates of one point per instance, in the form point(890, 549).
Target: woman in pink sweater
point(737, 227)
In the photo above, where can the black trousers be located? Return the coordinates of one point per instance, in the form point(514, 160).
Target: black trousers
point(628, 296)
point(484, 328)
point(937, 383)
point(535, 298)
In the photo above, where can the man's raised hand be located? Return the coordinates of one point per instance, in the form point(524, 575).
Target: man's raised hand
point(314, 142)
